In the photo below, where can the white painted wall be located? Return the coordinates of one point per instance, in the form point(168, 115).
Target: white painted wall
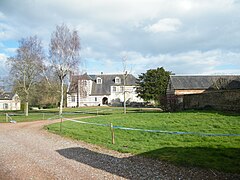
point(97, 100)
point(14, 104)
point(130, 94)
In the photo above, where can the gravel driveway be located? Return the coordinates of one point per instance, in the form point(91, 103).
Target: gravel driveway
point(29, 152)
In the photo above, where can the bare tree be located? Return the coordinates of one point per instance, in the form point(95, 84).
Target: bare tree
point(26, 66)
point(64, 54)
point(125, 75)
point(220, 84)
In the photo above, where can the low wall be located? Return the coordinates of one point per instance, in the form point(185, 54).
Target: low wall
point(228, 100)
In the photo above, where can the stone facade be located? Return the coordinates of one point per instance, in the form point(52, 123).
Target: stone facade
point(228, 100)
point(99, 90)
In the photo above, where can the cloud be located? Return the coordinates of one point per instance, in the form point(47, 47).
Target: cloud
point(193, 62)
point(164, 25)
point(3, 69)
point(187, 36)
point(3, 58)
point(6, 31)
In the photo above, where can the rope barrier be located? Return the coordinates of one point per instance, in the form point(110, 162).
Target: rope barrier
point(174, 132)
point(54, 117)
point(82, 122)
point(155, 131)
point(135, 129)
point(94, 112)
point(11, 120)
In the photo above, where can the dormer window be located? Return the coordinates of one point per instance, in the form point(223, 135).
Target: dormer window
point(117, 80)
point(99, 80)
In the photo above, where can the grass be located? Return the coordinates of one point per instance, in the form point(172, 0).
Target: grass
point(44, 114)
point(219, 153)
point(35, 115)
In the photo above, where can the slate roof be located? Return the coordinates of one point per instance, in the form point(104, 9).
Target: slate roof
point(108, 80)
point(6, 96)
point(74, 81)
point(85, 76)
point(203, 82)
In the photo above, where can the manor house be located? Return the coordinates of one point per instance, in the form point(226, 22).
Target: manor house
point(103, 89)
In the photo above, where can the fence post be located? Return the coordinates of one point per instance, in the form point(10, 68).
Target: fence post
point(6, 117)
point(43, 116)
point(61, 123)
point(112, 132)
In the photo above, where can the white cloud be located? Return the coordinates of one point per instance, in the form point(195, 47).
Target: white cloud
point(2, 16)
point(106, 28)
point(164, 25)
point(7, 31)
point(10, 50)
point(3, 59)
point(193, 62)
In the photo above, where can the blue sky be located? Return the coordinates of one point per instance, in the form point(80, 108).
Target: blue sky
point(183, 36)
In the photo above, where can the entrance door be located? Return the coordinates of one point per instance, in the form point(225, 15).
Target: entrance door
point(105, 101)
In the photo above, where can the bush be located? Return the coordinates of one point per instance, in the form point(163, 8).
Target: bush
point(49, 106)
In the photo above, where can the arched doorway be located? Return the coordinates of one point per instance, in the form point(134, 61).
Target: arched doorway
point(105, 101)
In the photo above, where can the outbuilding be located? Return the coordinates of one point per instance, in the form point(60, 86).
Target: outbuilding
point(9, 101)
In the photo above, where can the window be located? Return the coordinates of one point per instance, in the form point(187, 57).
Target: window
point(5, 106)
point(99, 80)
point(117, 80)
point(122, 88)
point(73, 98)
point(114, 89)
point(96, 99)
point(85, 93)
point(85, 83)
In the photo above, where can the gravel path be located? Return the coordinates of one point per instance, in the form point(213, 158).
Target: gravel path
point(29, 152)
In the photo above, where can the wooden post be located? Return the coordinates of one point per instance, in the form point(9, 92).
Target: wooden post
point(112, 132)
point(61, 124)
point(6, 117)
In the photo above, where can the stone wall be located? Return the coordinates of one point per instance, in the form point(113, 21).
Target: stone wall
point(228, 100)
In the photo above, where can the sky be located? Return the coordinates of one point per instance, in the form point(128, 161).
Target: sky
point(183, 36)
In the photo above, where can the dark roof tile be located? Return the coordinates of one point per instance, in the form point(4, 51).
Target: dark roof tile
point(6, 96)
point(108, 80)
point(204, 82)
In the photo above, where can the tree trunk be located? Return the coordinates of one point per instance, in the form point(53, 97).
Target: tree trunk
point(124, 103)
point(78, 93)
point(61, 102)
point(26, 105)
point(26, 108)
point(124, 94)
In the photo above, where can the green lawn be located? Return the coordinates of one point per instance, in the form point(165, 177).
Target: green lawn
point(44, 114)
point(220, 152)
point(19, 116)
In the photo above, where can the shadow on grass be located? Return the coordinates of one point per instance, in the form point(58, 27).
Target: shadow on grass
point(221, 159)
point(138, 167)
